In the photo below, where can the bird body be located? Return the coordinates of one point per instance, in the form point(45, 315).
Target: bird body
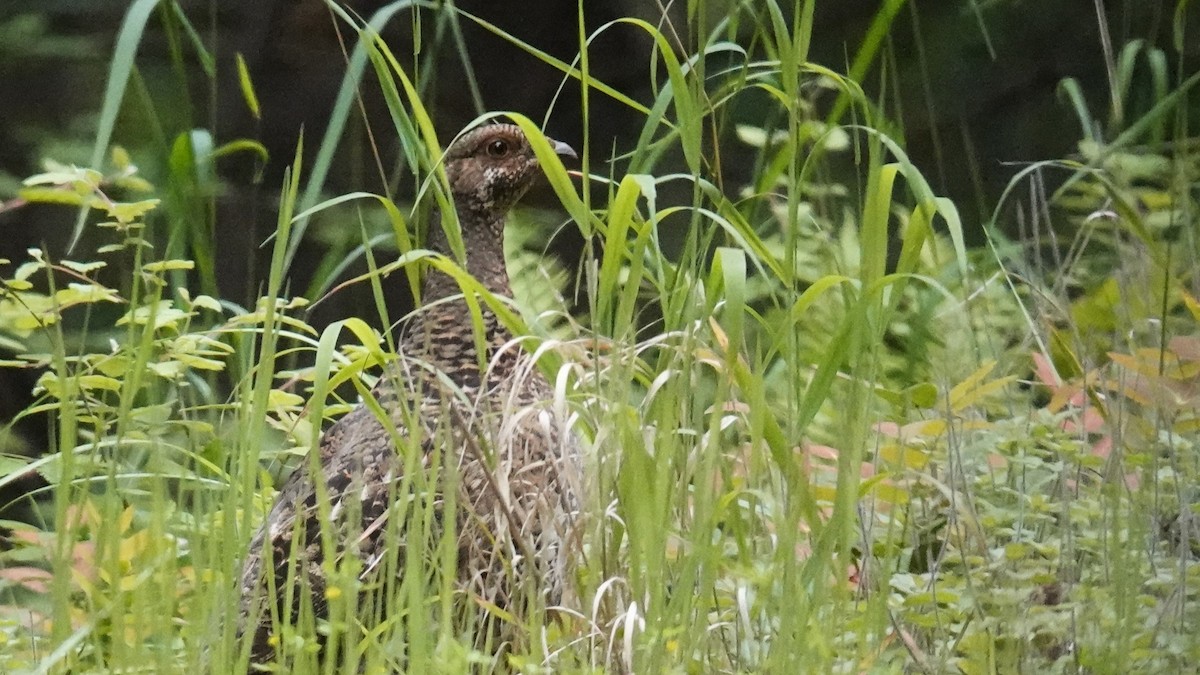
point(446, 415)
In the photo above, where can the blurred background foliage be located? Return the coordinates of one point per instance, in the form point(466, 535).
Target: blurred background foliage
point(1062, 132)
point(977, 87)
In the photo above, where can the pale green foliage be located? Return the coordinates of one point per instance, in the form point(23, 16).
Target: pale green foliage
point(145, 424)
point(819, 432)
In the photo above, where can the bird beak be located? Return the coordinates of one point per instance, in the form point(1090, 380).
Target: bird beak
point(562, 149)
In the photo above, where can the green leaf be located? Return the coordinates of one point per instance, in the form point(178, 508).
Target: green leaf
point(170, 370)
point(162, 313)
point(82, 180)
point(207, 302)
point(128, 212)
point(975, 389)
point(26, 270)
point(104, 383)
point(284, 399)
point(36, 195)
point(76, 294)
point(247, 86)
point(83, 268)
point(922, 395)
point(199, 362)
point(168, 265)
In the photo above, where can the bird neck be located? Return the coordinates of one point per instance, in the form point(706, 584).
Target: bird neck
point(483, 241)
point(443, 334)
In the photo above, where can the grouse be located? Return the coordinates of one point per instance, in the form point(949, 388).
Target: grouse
point(463, 426)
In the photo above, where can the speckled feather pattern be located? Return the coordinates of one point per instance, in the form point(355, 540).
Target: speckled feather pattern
point(517, 467)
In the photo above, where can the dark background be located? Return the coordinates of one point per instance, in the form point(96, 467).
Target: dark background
point(985, 89)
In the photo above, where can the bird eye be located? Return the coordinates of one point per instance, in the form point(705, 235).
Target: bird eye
point(497, 148)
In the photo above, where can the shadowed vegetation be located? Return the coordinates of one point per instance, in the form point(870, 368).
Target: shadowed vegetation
point(820, 427)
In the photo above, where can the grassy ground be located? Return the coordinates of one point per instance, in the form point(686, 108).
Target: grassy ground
point(822, 436)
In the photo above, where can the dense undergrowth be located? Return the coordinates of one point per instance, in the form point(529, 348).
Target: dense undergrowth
point(823, 434)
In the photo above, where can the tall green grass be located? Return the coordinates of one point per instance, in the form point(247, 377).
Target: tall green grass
point(807, 449)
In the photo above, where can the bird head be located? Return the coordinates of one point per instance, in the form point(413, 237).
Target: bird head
point(491, 167)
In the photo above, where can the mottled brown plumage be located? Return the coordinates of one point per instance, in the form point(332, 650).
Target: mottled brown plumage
point(491, 432)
